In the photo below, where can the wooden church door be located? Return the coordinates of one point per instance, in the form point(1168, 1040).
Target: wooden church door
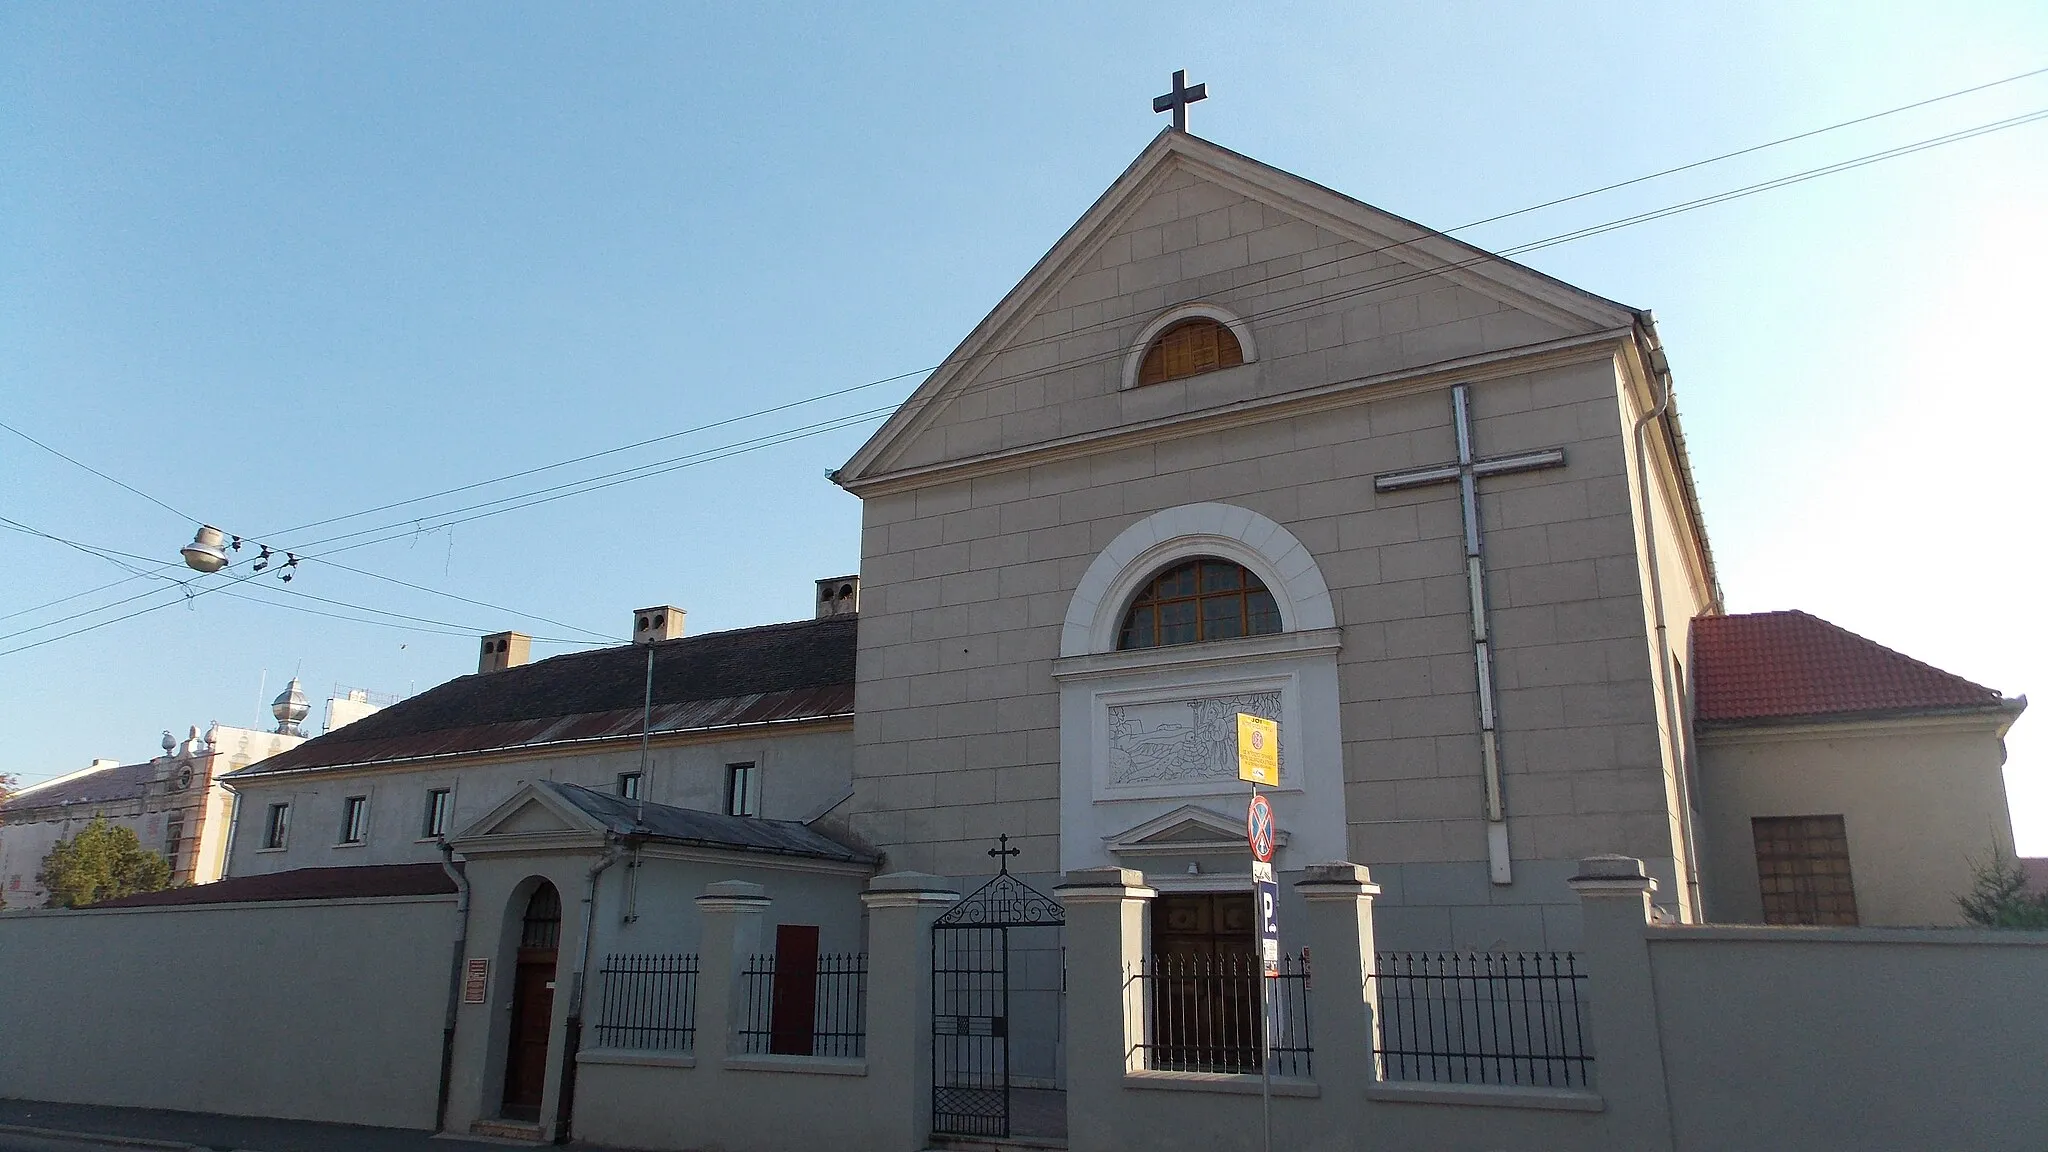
point(1205, 958)
point(533, 1004)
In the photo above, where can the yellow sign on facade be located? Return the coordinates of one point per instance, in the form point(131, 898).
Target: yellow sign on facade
point(1258, 749)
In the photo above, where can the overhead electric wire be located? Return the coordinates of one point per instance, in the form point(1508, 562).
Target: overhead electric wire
point(519, 501)
point(183, 586)
point(565, 489)
point(95, 471)
point(1116, 320)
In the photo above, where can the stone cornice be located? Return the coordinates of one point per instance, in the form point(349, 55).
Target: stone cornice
point(1589, 348)
point(1720, 733)
point(1178, 657)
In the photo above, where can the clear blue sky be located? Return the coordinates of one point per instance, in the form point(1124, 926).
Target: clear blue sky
point(278, 263)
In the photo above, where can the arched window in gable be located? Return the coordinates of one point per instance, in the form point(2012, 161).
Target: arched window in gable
point(1198, 600)
point(1190, 348)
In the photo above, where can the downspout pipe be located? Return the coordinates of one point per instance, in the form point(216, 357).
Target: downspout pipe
point(454, 980)
point(1674, 737)
point(616, 849)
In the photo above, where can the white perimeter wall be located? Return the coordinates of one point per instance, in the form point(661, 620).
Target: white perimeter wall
point(307, 1010)
point(1853, 1038)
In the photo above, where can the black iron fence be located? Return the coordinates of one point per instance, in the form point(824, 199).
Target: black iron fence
point(648, 1001)
point(776, 1020)
point(1483, 1018)
point(1202, 1014)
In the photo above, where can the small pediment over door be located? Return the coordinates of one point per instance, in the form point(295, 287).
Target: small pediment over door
point(535, 812)
point(1188, 829)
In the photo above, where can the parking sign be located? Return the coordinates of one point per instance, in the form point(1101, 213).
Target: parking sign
point(1266, 907)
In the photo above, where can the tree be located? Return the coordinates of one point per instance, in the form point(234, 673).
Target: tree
point(2000, 899)
point(99, 863)
point(8, 783)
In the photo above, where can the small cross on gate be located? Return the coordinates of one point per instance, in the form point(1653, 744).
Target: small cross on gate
point(1179, 99)
point(1002, 852)
point(1467, 470)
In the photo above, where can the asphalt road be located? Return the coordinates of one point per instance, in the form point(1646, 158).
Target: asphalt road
point(11, 1142)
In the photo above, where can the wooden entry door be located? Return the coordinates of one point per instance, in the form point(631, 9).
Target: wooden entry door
point(533, 1005)
point(1206, 994)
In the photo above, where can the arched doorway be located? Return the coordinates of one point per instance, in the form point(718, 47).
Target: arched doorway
point(533, 1004)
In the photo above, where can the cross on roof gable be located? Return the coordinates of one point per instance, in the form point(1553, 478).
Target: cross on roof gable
point(1177, 156)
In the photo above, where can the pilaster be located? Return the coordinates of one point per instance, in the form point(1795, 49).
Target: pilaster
point(732, 912)
point(1105, 938)
point(1339, 932)
point(901, 908)
point(1614, 898)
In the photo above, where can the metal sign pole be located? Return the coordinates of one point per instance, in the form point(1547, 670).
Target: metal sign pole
point(1258, 761)
point(1265, 1011)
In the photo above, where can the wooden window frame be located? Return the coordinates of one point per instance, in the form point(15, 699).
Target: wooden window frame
point(743, 789)
point(1190, 347)
point(1803, 869)
point(1157, 600)
point(277, 825)
point(355, 821)
point(439, 802)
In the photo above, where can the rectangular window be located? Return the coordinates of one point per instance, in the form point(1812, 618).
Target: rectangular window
point(277, 826)
point(742, 790)
point(437, 814)
point(1802, 868)
point(174, 834)
point(629, 785)
point(355, 819)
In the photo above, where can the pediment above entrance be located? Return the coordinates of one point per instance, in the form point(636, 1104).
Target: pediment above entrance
point(1190, 828)
point(532, 814)
point(1322, 291)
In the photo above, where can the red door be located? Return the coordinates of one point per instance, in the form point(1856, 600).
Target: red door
point(533, 1005)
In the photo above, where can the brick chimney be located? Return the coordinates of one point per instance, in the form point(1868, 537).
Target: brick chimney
point(838, 596)
point(662, 622)
point(504, 650)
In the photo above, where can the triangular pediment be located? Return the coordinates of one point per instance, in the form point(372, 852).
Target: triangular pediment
point(533, 811)
point(1188, 828)
point(1328, 289)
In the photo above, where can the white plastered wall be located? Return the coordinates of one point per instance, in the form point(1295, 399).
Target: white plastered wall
point(1103, 690)
point(1920, 801)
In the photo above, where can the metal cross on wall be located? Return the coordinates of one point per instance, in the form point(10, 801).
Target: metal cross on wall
point(1467, 470)
point(1179, 99)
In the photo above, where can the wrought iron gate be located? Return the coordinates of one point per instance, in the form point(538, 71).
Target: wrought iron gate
point(971, 1000)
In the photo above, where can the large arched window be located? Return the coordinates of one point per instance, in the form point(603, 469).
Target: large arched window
point(1190, 348)
point(1199, 600)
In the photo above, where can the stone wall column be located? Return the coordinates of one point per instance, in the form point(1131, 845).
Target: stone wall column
point(901, 907)
point(732, 911)
point(1342, 1002)
point(1614, 898)
point(1105, 937)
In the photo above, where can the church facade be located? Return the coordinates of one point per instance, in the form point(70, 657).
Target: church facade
point(1476, 670)
point(1238, 444)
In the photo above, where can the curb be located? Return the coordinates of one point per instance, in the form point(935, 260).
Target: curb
point(102, 1138)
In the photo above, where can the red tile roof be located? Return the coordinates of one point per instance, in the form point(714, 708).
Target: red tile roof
point(1778, 665)
point(303, 884)
point(2036, 868)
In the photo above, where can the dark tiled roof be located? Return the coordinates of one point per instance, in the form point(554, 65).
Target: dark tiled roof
point(707, 829)
point(303, 884)
point(1780, 665)
point(124, 782)
point(778, 672)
